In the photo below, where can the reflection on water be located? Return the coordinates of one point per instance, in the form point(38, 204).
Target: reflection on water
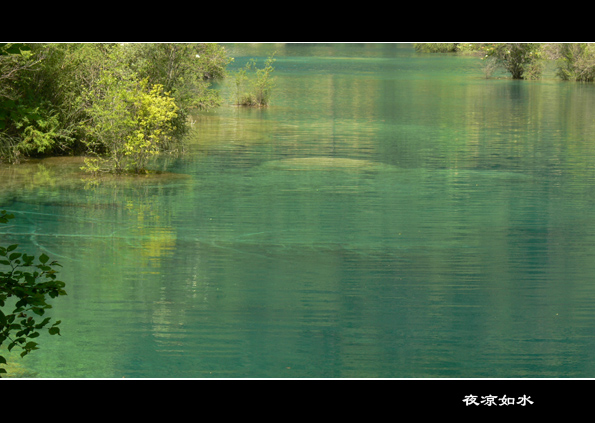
point(392, 214)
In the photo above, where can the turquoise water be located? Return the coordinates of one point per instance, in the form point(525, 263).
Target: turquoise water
point(391, 215)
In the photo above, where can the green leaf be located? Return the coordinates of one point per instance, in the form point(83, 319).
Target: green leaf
point(12, 247)
point(14, 256)
point(38, 310)
point(43, 258)
point(54, 331)
point(2, 360)
point(42, 324)
point(31, 345)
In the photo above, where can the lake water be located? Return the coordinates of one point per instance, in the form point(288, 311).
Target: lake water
point(390, 215)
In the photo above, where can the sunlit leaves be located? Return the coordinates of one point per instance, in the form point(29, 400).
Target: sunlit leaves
point(130, 119)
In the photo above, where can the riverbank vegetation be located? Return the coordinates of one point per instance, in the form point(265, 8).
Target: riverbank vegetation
point(119, 103)
point(573, 61)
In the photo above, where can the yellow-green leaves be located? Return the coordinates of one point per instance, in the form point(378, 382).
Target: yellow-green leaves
point(131, 119)
point(154, 112)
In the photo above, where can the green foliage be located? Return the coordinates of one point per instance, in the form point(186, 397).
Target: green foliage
point(575, 61)
point(521, 60)
point(130, 119)
point(66, 72)
point(22, 123)
point(41, 111)
point(50, 95)
point(240, 78)
point(177, 66)
point(30, 289)
point(253, 85)
point(184, 70)
point(13, 48)
point(40, 127)
point(435, 47)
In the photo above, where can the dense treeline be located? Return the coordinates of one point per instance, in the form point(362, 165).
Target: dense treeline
point(574, 61)
point(119, 102)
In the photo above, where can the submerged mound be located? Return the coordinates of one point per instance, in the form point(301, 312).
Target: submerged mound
point(326, 163)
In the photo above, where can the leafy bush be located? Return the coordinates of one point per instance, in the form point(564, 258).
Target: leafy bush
point(184, 70)
point(130, 119)
point(435, 47)
point(253, 85)
point(576, 62)
point(521, 60)
point(30, 289)
point(22, 123)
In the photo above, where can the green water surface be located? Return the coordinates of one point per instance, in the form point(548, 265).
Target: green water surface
point(391, 215)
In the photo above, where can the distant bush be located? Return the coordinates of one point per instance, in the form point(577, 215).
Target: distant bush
point(435, 47)
point(253, 85)
point(522, 60)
